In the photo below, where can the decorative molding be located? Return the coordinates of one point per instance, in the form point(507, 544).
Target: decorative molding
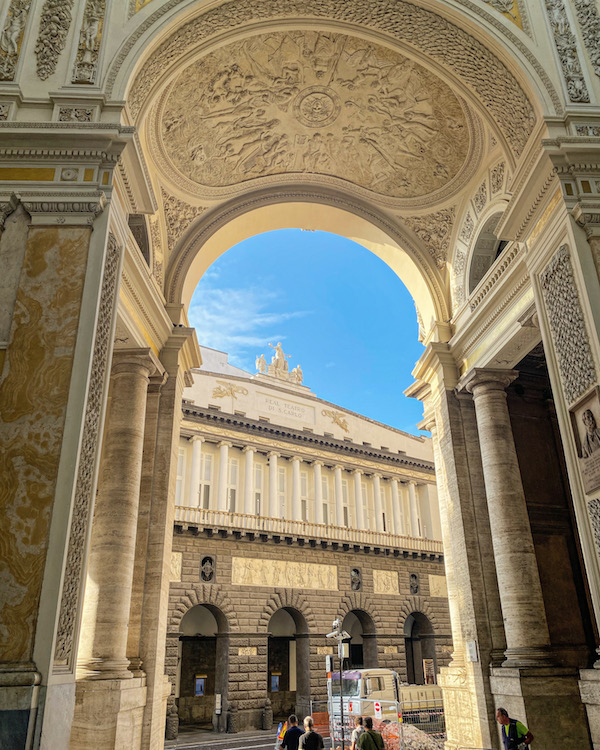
point(588, 130)
point(55, 21)
point(336, 418)
point(4, 110)
point(11, 37)
point(480, 198)
point(432, 34)
point(548, 182)
point(594, 511)
point(497, 178)
point(157, 251)
point(45, 125)
point(76, 209)
point(567, 326)
point(496, 272)
point(75, 114)
point(178, 217)
point(467, 228)
point(435, 230)
point(568, 54)
point(589, 23)
point(90, 39)
point(88, 455)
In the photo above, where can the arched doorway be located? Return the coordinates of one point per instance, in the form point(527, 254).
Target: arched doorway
point(288, 672)
point(202, 670)
point(420, 649)
point(363, 640)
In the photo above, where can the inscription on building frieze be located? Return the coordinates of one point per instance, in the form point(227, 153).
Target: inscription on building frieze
point(269, 405)
point(251, 571)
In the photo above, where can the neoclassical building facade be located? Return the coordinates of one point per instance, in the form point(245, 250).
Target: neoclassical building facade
point(458, 140)
point(290, 512)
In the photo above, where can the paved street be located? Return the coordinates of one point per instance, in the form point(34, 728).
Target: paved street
point(210, 741)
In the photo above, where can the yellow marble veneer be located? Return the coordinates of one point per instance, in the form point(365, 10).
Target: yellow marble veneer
point(33, 399)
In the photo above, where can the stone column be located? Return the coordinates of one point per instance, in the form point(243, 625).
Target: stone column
point(224, 447)
point(360, 521)
point(110, 573)
point(318, 477)
point(378, 509)
point(396, 511)
point(414, 510)
point(339, 505)
point(194, 498)
point(296, 504)
point(249, 481)
point(525, 625)
point(273, 477)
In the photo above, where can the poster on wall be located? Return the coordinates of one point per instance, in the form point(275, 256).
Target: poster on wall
point(585, 419)
point(429, 671)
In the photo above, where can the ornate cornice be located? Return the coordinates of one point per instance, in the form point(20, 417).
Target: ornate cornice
point(496, 272)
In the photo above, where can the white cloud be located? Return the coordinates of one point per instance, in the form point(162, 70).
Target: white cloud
point(239, 320)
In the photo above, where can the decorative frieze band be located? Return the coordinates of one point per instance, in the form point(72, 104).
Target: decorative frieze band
point(84, 488)
point(11, 37)
point(567, 326)
point(64, 210)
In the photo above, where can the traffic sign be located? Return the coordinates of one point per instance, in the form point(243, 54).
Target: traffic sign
point(377, 707)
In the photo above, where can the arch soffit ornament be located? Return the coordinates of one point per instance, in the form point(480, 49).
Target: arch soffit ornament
point(207, 225)
point(416, 604)
point(359, 601)
point(138, 59)
point(286, 599)
point(204, 595)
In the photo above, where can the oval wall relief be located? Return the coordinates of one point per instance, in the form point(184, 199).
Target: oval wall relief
point(320, 103)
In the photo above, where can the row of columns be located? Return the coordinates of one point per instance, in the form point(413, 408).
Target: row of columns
point(396, 522)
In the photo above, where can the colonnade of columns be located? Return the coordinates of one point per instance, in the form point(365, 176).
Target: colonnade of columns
point(402, 497)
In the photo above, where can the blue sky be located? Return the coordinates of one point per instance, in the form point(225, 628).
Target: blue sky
point(341, 313)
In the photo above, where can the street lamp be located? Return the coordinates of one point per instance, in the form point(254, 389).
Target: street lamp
point(341, 636)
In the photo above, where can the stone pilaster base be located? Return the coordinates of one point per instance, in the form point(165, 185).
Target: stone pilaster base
point(589, 687)
point(108, 714)
point(19, 698)
point(547, 701)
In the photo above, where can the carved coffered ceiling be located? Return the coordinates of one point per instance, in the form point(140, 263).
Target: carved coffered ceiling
point(316, 104)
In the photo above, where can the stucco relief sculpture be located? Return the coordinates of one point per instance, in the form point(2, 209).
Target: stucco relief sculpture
point(250, 571)
point(54, 27)
point(11, 38)
point(566, 46)
point(90, 37)
point(279, 366)
point(337, 418)
point(435, 230)
point(318, 103)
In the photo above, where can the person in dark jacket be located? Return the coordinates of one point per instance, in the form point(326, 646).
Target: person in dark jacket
point(291, 738)
point(310, 740)
point(514, 733)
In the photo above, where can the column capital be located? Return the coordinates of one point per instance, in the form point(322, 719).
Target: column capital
point(248, 449)
point(338, 467)
point(225, 444)
point(376, 475)
point(274, 454)
point(196, 439)
point(357, 471)
point(296, 458)
point(318, 463)
point(486, 379)
point(128, 360)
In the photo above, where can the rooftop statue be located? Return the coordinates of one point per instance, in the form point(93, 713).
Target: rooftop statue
point(279, 366)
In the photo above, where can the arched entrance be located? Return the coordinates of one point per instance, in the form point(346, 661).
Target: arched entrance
point(288, 671)
point(420, 650)
point(363, 641)
point(202, 671)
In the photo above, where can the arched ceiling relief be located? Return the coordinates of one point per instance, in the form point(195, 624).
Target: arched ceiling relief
point(481, 73)
point(313, 102)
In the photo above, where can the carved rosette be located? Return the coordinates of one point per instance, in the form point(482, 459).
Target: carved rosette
point(11, 37)
point(90, 38)
point(54, 26)
point(567, 326)
point(566, 46)
point(435, 230)
point(73, 582)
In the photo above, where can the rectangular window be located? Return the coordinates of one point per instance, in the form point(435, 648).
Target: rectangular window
point(233, 472)
point(206, 480)
point(304, 494)
point(200, 684)
point(258, 487)
point(325, 498)
point(275, 682)
point(180, 476)
point(281, 483)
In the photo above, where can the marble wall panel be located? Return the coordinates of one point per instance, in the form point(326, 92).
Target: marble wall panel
point(33, 400)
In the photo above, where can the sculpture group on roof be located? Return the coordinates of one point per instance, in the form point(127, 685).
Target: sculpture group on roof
point(279, 366)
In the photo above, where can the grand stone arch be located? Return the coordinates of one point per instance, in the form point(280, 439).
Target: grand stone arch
point(447, 110)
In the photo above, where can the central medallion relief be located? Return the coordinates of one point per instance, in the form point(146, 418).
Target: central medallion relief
point(318, 103)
